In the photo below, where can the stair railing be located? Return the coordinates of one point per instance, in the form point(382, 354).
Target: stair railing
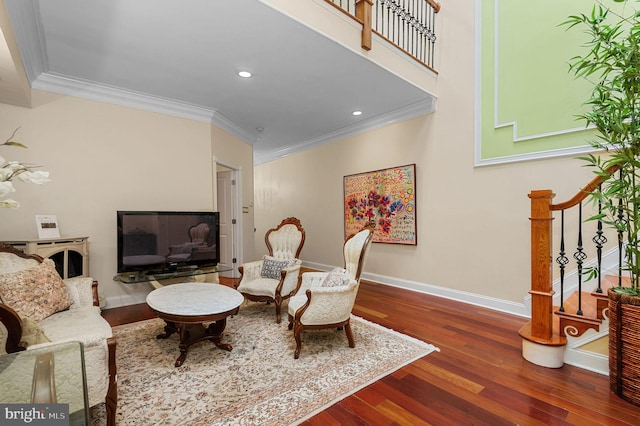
point(542, 292)
point(407, 24)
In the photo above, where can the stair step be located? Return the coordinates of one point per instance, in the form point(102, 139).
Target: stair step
point(609, 281)
point(589, 305)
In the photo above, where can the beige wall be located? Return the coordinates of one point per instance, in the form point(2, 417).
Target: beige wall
point(103, 158)
point(473, 223)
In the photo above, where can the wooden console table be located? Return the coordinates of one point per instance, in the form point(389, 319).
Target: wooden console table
point(71, 255)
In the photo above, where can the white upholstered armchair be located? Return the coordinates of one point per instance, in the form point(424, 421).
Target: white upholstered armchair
point(274, 278)
point(325, 299)
point(38, 308)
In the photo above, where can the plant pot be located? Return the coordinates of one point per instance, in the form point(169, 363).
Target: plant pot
point(624, 346)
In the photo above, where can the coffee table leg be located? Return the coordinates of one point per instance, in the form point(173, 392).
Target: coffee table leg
point(215, 330)
point(169, 329)
point(188, 335)
point(183, 355)
point(193, 333)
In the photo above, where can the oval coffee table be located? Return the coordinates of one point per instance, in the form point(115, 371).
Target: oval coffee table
point(186, 307)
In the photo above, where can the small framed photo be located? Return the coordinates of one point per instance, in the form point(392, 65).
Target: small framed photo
point(47, 226)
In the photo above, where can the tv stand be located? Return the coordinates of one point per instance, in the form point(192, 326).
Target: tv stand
point(186, 274)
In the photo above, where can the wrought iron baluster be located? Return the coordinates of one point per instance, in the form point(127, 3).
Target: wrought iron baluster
point(579, 256)
point(414, 9)
point(401, 35)
point(562, 260)
point(432, 29)
point(389, 21)
point(620, 225)
point(599, 239)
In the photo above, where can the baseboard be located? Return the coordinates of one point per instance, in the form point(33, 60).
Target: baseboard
point(138, 294)
point(587, 360)
point(126, 300)
point(493, 303)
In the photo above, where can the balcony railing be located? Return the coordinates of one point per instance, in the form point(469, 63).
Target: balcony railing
point(407, 24)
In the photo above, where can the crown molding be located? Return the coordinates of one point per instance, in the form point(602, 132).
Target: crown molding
point(424, 107)
point(29, 33)
point(83, 89)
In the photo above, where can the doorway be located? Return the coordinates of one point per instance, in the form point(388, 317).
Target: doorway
point(227, 198)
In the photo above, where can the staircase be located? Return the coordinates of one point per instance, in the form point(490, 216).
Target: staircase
point(564, 320)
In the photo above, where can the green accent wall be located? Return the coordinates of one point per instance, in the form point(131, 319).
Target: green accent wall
point(527, 99)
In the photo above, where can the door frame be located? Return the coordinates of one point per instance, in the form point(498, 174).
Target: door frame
point(236, 196)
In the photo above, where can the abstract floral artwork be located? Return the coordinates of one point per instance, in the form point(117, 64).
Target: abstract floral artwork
point(386, 197)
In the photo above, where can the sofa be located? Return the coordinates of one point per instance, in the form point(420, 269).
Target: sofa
point(38, 308)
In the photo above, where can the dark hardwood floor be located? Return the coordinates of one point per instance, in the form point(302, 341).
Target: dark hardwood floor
point(478, 378)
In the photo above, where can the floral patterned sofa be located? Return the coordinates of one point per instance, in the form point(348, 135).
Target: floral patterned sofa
point(38, 308)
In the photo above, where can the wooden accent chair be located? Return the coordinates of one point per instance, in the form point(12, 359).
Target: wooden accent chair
point(325, 299)
point(72, 313)
point(274, 278)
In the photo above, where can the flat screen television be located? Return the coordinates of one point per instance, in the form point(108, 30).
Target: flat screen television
point(164, 241)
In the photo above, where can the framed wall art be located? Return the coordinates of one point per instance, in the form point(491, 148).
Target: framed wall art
point(47, 226)
point(388, 198)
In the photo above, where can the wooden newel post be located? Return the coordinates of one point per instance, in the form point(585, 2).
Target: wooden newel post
point(541, 273)
point(363, 13)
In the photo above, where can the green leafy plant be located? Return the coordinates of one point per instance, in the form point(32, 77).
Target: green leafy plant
point(612, 64)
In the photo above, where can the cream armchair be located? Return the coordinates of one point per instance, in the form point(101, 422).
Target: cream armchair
point(275, 277)
point(325, 300)
point(71, 313)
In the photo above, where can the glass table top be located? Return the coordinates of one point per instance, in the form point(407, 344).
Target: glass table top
point(46, 380)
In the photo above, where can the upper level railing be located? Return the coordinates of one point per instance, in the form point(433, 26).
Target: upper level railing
point(407, 24)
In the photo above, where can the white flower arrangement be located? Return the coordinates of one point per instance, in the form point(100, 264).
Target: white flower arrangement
point(24, 172)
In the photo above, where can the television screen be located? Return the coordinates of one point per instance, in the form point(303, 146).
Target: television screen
point(158, 242)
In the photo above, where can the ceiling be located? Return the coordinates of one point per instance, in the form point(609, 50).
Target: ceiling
point(182, 58)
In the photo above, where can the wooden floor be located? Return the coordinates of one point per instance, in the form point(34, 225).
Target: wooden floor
point(478, 378)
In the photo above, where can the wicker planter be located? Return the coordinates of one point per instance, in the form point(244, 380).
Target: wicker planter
point(624, 346)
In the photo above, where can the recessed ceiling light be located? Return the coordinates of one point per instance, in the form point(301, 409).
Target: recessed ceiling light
point(356, 113)
point(244, 74)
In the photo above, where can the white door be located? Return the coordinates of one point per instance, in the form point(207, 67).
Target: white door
point(225, 185)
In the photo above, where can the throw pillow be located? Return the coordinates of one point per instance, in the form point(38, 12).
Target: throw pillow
point(32, 334)
point(35, 293)
point(337, 277)
point(271, 267)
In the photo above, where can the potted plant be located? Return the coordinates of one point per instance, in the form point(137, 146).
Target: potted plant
point(612, 64)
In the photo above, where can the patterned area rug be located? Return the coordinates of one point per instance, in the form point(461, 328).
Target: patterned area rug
point(258, 382)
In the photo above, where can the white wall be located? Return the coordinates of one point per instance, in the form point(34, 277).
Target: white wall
point(473, 223)
point(232, 152)
point(103, 158)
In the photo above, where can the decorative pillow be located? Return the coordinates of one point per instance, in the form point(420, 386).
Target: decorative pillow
point(337, 277)
point(35, 293)
point(32, 334)
point(271, 267)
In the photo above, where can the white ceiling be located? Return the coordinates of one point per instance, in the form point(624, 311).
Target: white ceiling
point(182, 58)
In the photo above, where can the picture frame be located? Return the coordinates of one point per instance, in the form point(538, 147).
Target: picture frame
point(47, 226)
point(388, 198)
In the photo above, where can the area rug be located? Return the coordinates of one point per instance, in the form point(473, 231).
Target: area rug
point(258, 382)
